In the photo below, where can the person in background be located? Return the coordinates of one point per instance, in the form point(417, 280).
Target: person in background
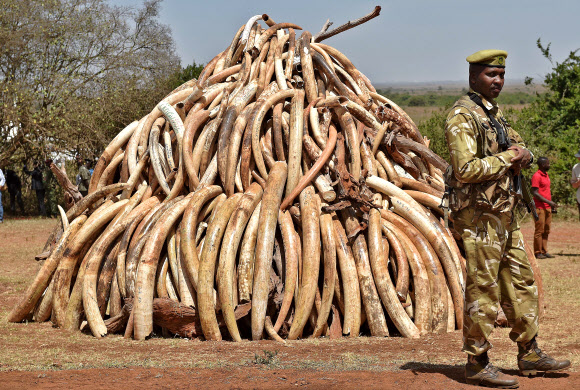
point(83, 177)
point(2, 188)
point(90, 165)
point(544, 207)
point(15, 190)
point(50, 190)
point(576, 180)
point(38, 186)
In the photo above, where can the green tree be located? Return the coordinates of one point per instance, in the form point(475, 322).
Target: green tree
point(551, 124)
point(73, 72)
point(434, 129)
point(416, 101)
point(183, 75)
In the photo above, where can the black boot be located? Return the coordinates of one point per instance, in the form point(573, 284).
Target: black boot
point(532, 360)
point(480, 372)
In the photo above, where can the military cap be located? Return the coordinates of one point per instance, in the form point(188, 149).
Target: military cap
point(492, 58)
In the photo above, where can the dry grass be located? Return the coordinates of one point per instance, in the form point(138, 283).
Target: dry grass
point(420, 114)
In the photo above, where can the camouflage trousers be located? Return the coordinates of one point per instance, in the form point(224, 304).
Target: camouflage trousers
point(498, 273)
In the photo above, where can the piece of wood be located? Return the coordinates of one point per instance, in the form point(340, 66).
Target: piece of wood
point(323, 29)
point(176, 317)
point(348, 25)
point(335, 327)
point(68, 187)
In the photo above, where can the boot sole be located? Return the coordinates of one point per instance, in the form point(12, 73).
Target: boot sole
point(531, 373)
point(476, 382)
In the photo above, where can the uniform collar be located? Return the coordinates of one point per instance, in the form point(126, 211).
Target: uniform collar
point(542, 172)
point(491, 105)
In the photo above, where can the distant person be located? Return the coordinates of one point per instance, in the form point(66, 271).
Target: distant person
point(486, 154)
point(37, 185)
point(50, 190)
point(576, 180)
point(2, 188)
point(57, 157)
point(544, 207)
point(15, 190)
point(90, 165)
point(83, 177)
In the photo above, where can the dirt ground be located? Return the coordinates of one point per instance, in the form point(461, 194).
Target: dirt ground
point(37, 356)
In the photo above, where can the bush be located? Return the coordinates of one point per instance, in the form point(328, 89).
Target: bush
point(551, 124)
point(434, 129)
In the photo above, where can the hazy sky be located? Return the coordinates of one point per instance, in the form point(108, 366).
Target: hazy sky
point(411, 41)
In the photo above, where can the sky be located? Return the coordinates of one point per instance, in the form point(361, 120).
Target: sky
point(411, 41)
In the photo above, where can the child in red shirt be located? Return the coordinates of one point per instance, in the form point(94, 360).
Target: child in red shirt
point(544, 207)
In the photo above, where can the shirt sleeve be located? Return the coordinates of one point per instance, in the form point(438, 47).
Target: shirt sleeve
point(576, 172)
point(535, 180)
point(2, 179)
point(462, 142)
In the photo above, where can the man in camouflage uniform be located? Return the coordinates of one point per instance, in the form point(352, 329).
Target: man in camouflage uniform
point(37, 185)
point(486, 155)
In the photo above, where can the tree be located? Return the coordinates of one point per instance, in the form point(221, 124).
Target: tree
point(183, 75)
point(74, 72)
point(434, 129)
point(551, 124)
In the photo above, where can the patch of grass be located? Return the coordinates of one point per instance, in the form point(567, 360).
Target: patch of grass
point(348, 361)
point(352, 361)
point(16, 282)
point(267, 359)
point(212, 363)
point(318, 365)
point(54, 359)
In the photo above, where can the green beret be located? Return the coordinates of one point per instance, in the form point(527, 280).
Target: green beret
point(493, 58)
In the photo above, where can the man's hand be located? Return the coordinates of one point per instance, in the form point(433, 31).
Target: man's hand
point(522, 158)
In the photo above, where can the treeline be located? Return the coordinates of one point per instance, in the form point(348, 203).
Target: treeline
point(75, 72)
point(439, 99)
point(550, 124)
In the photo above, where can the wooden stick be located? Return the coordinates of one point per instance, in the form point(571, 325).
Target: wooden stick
point(322, 30)
point(348, 25)
point(65, 183)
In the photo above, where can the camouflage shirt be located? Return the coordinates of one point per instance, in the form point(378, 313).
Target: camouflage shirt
point(479, 173)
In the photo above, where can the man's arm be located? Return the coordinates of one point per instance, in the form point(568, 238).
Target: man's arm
point(575, 180)
point(536, 193)
point(524, 156)
point(462, 142)
point(2, 178)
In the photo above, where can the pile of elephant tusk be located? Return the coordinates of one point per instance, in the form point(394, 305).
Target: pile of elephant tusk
point(278, 195)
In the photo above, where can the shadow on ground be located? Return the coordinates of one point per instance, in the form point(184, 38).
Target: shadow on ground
point(457, 372)
point(454, 372)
